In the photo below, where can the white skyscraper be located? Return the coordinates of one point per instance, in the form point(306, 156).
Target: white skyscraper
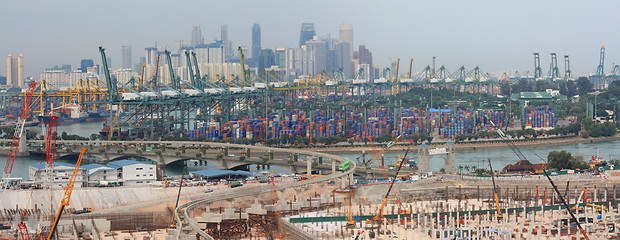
point(15, 71)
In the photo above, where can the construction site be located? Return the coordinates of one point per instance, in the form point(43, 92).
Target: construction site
point(338, 203)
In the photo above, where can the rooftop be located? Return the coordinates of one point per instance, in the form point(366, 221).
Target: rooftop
point(211, 173)
point(124, 163)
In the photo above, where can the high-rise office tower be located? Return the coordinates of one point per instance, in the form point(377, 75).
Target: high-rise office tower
point(255, 43)
point(85, 64)
point(307, 33)
point(197, 38)
point(346, 35)
point(15, 70)
point(127, 56)
point(365, 57)
point(228, 51)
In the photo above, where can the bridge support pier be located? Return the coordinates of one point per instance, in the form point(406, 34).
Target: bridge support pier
point(308, 167)
point(223, 164)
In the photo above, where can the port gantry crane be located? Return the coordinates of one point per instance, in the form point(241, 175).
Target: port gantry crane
point(67, 196)
point(17, 136)
point(518, 152)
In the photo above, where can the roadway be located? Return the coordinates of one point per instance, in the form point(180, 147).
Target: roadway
point(182, 217)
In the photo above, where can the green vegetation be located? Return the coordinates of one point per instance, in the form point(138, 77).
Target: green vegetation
point(564, 160)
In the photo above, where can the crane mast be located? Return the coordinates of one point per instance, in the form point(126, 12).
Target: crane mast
point(67, 196)
point(50, 149)
point(17, 135)
point(379, 215)
point(175, 85)
point(245, 73)
point(499, 210)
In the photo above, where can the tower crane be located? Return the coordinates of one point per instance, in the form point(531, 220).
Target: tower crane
point(555, 188)
point(17, 135)
point(67, 196)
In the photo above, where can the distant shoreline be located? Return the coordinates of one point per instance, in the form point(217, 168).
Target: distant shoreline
point(477, 146)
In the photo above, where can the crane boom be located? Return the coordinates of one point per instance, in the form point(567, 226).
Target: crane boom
point(387, 194)
point(67, 196)
point(173, 80)
point(17, 135)
point(555, 188)
point(499, 210)
point(245, 73)
point(23, 229)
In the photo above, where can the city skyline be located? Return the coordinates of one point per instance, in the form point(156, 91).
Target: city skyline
point(496, 36)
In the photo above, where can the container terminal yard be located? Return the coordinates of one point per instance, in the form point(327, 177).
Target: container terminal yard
point(233, 122)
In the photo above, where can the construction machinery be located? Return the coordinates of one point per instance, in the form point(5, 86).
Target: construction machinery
point(17, 136)
point(516, 150)
point(67, 196)
point(50, 150)
point(23, 229)
point(173, 224)
point(499, 210)
point(379, 216)
point(83, 210)
point(274, 200)
point(584, 195)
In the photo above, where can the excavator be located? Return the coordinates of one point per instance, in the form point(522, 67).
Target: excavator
point(67, 196)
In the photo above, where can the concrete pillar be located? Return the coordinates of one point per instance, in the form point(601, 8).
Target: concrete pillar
point(450, 163)
point(333, 167)
point(309, 166)
point(423, 159)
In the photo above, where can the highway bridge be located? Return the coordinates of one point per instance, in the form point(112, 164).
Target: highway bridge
point(98, 152)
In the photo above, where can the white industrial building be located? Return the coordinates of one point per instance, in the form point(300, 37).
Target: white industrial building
point(61, 173)
point(130, 172)
point(100, 174)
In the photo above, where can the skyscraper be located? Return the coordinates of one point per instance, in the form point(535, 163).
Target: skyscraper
point(307, 33)
point(85, 64)
point(346, 35)
point(197, 38)
point(127, 56)
point(228, 51)
point(15, 70)
point(255, 43)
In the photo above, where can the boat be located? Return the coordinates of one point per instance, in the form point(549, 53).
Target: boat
point(97, 116)
point(72, 113)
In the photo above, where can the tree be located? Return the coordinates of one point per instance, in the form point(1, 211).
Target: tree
point(564, 160)
point(584, 85)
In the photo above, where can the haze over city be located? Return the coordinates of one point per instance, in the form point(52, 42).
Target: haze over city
point(497, 36)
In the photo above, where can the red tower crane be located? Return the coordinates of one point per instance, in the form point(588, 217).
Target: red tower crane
point(17, 135)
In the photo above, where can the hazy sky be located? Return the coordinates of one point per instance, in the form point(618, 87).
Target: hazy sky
point(496, 35)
